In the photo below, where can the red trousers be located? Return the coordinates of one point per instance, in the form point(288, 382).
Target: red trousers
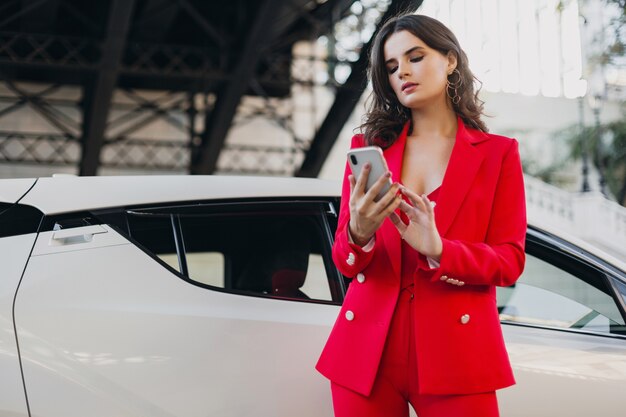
point(396, 383)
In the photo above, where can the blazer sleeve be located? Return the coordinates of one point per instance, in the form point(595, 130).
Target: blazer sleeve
point(349, 257)
point(499, 260)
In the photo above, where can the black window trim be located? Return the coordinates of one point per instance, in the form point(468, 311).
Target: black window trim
point(169, 211)
point(541, 239)
point(330, 237)
point(179, 241)
point(165, 210)
point(610, 272)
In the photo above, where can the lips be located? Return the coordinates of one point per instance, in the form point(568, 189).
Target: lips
point(408, 85)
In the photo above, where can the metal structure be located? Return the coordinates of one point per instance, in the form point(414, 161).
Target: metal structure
point(99, 72)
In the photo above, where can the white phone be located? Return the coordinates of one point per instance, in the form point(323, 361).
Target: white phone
point(374, 155)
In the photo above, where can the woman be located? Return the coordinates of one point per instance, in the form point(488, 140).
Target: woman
point(420, 324)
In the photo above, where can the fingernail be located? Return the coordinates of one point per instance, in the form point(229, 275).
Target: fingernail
point(388, 174)
point(367, 165)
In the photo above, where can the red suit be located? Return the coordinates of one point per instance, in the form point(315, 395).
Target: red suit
point(480, 214)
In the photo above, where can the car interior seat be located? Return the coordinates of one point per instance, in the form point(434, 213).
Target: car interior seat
point(290, 261)
point(279, 265)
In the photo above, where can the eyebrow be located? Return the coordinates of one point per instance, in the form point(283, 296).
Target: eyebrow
point(405, 53)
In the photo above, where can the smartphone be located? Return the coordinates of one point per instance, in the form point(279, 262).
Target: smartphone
point(374, 155)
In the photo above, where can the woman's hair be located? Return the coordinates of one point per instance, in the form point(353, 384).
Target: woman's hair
point(386, 116)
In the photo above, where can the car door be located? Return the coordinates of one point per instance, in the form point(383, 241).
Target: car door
point(18, 227)
point(196, 310)
point(563, 323)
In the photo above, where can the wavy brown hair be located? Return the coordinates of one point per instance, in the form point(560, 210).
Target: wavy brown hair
point(385, 116)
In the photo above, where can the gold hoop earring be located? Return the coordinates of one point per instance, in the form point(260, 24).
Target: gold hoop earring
point(454, 86)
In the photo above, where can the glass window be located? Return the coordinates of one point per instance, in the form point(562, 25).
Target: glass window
point(551, 296)
point(268, 251)
point(272, 249)
point(316, 284)
point(206, 267)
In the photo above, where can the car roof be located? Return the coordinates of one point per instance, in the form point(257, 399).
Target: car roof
point(12, 190)
point(55, 195)
point(62, 194)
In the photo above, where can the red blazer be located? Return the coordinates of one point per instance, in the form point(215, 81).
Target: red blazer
point(481, 217)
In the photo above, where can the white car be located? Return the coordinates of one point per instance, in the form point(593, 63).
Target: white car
point(213, 296)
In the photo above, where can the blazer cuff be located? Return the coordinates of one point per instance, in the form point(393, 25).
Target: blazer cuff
point(349, 257)
point(368, 247)
point(432, 263)
point(437, 272)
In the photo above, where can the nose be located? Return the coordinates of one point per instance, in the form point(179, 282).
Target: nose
point(403, 70)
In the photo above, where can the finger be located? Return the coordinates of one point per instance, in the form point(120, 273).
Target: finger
point(416, 200)
point(413, 197)
point(389, 197)
point(406, 207)
point(362, 180)
point(430, 208)
point(397, 221)
point(378, 185)
point(352, 183)
point(420, 204)
point(392, 206)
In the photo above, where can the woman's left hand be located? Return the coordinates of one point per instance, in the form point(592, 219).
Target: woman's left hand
point(421, 232)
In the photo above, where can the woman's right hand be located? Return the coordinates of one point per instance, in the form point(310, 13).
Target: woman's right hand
point(367, 215)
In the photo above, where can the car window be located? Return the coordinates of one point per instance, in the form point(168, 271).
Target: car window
point(205, 267)
point(563, 295)
point(278, 250)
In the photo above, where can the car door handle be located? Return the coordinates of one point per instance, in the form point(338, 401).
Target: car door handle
point(76, 235)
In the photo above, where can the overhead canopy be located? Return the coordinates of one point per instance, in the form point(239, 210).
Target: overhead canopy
point(218, 47)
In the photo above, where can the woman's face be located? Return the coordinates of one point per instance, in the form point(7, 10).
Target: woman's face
point(417, 73)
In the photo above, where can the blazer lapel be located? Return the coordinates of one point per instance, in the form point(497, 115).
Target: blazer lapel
point(388, 232)
point(462, 168)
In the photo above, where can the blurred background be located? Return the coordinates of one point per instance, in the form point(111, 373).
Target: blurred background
point(277, 87)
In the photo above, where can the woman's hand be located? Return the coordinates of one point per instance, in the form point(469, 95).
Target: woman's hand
point(421, 232)
point(366, 215)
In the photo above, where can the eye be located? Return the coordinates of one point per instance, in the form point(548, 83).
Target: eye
point(391, 70)
point(417, 59)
